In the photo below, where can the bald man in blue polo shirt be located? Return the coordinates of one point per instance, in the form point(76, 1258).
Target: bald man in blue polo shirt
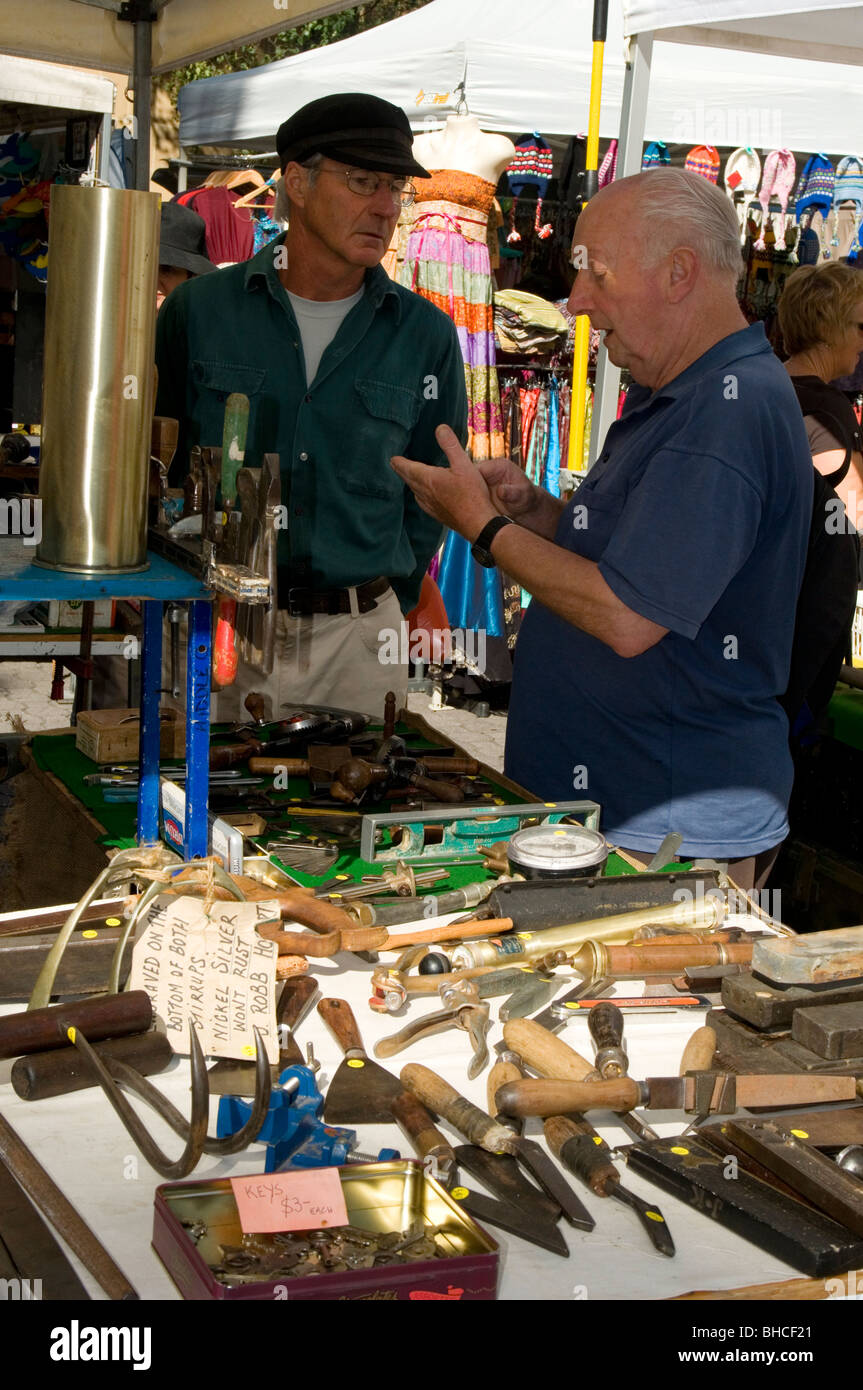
point(651, 660)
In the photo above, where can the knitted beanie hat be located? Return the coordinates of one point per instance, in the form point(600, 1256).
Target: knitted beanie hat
point(848, 187)
point(703, 160)
point(815, 186)
point(655, 155)
point(532, 165)
point(778, 180)
point(608, 167)
point(742, 173)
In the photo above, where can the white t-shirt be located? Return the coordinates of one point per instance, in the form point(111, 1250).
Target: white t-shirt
point(319, 321)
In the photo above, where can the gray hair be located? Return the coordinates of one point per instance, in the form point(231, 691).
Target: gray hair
point(676, 208)
point(282, 205)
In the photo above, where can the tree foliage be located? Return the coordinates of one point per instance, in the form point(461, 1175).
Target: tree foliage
point(303, 37)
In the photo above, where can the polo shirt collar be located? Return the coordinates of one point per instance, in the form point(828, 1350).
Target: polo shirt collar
point(378, 284)
point(746, 342)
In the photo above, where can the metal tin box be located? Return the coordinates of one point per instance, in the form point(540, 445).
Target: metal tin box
point(379, 1197)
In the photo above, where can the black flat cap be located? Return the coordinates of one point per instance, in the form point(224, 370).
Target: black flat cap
point(353, 128)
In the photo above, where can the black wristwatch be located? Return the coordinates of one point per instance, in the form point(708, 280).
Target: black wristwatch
point(481, 548)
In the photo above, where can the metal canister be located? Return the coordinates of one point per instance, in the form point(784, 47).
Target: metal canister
point(97, 403)
point(557, 851)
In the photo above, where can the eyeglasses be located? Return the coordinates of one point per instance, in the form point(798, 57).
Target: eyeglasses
point(367, 185)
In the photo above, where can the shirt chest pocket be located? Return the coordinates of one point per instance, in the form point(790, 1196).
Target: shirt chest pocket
point(385, 418)
point(589, 521)
point(213, 383)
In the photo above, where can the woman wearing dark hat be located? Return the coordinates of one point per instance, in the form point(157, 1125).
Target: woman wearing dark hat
point(181, 249)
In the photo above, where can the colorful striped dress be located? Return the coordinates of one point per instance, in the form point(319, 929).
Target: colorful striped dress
point(447, 261)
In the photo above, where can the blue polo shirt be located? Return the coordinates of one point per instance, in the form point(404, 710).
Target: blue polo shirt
point(698, 515)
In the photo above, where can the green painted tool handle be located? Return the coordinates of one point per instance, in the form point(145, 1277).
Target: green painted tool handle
point(234, 434)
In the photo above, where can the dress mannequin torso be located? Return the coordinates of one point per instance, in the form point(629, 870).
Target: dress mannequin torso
point(463, 145)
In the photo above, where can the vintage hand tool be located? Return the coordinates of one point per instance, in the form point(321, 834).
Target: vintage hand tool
point(582, 944)
point(402, 881)
point(577, 1145)
point(50, 1201)
point(229, 1077)
point(463, 1009)
point(108, 1016)
point(704, 1093)
point(361, 1092)
point(480, 1129)
point(428, 906)
point(163, 446)
point(112, 1075)
point(454, 837)
point(804, 1238)
point(29, 1252)
point(57, 1073)
point(433, 1147)
point(812, 1176)
point(605, 1022)
point(292, 1123)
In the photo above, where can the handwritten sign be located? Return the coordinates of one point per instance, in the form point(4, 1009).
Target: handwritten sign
point(211, 969)
point(308, 1199)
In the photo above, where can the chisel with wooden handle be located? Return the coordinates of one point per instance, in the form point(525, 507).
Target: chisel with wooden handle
point(704, 1093)
point(426, 1138)
point(576, 1143)
point(481, 1129)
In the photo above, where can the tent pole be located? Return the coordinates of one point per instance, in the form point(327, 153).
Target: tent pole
point(575, 452)
point(141, 82)
point(633, 117)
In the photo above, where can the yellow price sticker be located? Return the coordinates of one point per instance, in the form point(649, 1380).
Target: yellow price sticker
point(356, 1062)
point(113, 922)
point(655, 1216)
point(460, 1193)
point(800, 1133)
point(89, 934)
point(679, 1149)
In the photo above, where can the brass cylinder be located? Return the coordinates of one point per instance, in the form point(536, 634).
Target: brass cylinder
point(525, 945)
point(97, 400)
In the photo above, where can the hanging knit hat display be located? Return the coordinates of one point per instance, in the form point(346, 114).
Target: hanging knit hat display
point(703, 160)
point(571, 182)
point(608, 167)
point(531, 166)
point(655, 155)
point(742, 173)
point(815, 186)
point(776, 183)
point(848, 186)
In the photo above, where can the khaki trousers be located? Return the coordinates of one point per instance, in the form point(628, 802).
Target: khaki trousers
point(342, 660)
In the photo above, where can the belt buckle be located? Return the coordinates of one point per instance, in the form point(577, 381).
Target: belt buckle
point(296, 608)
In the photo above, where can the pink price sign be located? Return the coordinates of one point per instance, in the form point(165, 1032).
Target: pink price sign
point(306, 1200)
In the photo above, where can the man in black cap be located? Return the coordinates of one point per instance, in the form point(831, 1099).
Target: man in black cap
point(343, 369)
point(182, 249)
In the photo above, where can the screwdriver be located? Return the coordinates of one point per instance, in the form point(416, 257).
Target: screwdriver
point(572, 1138)
point(605, 1022)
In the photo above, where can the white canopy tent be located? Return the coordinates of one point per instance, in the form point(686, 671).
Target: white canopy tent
point(816, 33)
point(142, 37)
point(526, 67)
point(56, 92)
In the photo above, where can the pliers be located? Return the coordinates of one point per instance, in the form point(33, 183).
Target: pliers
point(464, 1009)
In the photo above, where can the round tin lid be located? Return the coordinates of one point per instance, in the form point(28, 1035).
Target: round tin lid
point(557, 847)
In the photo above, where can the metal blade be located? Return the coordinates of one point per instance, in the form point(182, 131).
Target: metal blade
point(31, 1247)
point(501, 1174)
point(556, 1015)
point(361, 1095)
point(511, 1219)
point(552, 1181)
point(648, 1214)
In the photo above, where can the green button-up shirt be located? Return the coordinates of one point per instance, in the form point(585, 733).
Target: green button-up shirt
point(393, 372)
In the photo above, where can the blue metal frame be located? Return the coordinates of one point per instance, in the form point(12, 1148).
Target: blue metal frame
point(20, 578)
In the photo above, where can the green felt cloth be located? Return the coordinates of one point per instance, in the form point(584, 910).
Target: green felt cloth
point(846, 714)
point(58, 754)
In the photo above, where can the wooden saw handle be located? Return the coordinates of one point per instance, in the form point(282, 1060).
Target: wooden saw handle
point(698, 1052)
point(420, 1128)
point(545, 1053)
point(476, 1126)
point(339, 1018)
point(523, 1098)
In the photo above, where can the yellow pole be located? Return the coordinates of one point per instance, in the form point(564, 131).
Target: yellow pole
point(575, 453)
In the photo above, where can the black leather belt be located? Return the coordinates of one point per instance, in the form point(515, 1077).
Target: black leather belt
point(303, 602)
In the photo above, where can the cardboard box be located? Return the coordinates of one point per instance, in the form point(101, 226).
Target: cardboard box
point(67, 614)
point(113, 735)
